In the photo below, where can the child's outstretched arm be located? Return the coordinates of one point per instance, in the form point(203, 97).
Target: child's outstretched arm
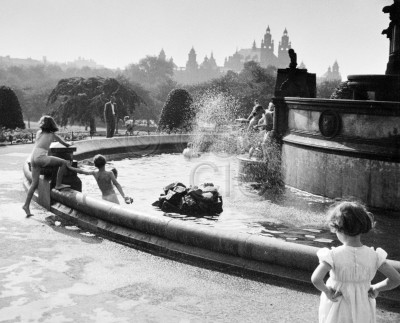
point(61, 141)
point(80, 171)
point(391, 282)
point(317, 279)
point(119, 188)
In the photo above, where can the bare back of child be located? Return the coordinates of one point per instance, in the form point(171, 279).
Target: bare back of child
point(106, 180)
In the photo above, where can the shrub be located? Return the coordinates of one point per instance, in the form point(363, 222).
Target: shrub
point(177, 113)
point(10, 110)
point(344, 92)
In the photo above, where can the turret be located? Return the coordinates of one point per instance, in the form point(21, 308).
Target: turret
point(284, 46)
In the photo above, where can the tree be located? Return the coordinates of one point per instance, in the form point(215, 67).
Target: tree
point(10, 110)
point(253, 82)
point(33, 102)
point(177, 112)
point(344, 92)
point(81, 100)
point(151, 70)
point(326, 88)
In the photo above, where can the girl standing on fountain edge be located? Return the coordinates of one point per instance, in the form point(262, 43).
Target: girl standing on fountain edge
point(39, 158)
point(348, 296)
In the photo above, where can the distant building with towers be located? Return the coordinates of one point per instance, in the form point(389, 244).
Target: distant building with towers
point(197, 73)
point(265, 54)
point(332, 74)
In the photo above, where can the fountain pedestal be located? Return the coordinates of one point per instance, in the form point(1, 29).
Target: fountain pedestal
point(48, 175)
point(295, 82)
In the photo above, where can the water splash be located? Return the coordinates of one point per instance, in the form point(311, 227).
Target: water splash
point(215, 130)
point(214, 125)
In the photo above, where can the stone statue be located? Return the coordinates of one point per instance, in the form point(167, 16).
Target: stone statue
point(290, 85)
point(394, 16)
point(293, 58)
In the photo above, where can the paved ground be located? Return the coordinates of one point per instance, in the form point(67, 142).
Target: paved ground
point(52, 272)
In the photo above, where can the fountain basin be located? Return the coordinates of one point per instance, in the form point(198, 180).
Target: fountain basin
point(245, 252)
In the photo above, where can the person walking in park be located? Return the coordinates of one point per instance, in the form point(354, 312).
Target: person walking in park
point(109, 116)
point(348, 295)
point(39, 158)
point(106, 180)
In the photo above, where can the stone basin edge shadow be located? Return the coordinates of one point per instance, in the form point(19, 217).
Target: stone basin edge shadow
point(242, 245)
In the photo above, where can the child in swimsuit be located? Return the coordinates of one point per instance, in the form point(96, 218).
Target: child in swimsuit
point(39, 158)
point(106, 180)
point(189, 151)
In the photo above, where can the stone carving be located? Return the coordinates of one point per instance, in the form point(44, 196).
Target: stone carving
point(394, 16)
point(293, 58)
point(291, 86)
point(329, 123)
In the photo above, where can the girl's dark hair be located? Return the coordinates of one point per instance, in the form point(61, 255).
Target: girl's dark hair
point(47, 124)
point(99, 161)
point(350, 218)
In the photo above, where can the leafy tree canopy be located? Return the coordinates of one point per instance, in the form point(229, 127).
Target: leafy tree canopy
point(343, 91)
point(326, 88)
point(253, 82)
point(83, 99)
point(151, 70)
point(10, 110)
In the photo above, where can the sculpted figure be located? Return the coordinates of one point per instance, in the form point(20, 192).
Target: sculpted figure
point(293, 58)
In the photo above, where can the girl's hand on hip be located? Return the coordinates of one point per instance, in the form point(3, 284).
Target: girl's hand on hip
point(333, 295)
point(373, 293)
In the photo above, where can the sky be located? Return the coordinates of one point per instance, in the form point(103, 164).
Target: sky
point(116, 33)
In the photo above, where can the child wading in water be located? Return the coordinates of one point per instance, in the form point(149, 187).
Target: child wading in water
point(39, 158)
point(106, 180)
point(189, 151)
point(348, 295)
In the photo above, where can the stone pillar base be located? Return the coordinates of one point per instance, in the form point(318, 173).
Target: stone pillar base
point(295, 82)
point(44, 189)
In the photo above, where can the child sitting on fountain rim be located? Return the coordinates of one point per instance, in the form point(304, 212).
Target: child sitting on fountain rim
point(39, 158)
point(106, 180)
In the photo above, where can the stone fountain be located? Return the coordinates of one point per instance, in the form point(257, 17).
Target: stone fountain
point(343, 148)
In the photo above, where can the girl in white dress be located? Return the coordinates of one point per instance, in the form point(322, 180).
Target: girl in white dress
point(348, 296)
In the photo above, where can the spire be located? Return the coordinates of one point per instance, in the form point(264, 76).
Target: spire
point(285, 31)
point(335, 67)
point(162, 55)
point(254, 45)
point(212, 62)
point(268, 30)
